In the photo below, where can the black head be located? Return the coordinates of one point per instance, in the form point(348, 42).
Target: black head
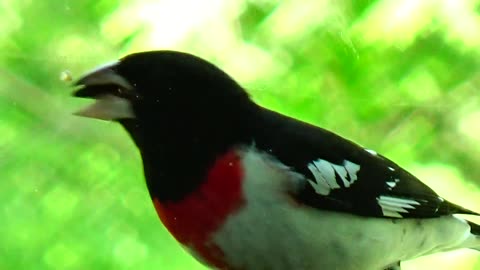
point(178, 108)
point(165, 91)
point(178, 77)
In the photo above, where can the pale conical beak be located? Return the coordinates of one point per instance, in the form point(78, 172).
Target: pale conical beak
point(108, 107)
point(110, 92)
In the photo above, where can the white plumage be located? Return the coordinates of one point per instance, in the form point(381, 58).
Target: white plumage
point(304, 238)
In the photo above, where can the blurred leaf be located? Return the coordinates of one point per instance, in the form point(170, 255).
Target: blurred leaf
point(401, 77)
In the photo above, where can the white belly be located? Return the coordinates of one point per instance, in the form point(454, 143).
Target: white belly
point(281, 237)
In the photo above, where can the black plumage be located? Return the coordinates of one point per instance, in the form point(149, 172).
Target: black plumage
point(350, 204)
point(205, 112)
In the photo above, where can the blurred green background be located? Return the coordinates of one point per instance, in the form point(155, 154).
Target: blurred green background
point(398, 76)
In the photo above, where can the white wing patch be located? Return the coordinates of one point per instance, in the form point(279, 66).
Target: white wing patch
point(392, 184)
point(325, 174)
point(394, 207)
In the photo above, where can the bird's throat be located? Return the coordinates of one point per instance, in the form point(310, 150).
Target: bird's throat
point(194, 219)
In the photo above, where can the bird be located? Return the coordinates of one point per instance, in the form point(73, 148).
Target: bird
point(242, 187)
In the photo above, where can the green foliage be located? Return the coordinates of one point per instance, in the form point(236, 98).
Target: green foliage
point(401, 77)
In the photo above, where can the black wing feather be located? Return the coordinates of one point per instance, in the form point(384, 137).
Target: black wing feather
point(297, 144)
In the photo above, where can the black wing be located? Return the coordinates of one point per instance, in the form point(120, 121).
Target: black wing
point(342, 176)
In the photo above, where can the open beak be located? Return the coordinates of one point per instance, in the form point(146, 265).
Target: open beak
point(110, 91)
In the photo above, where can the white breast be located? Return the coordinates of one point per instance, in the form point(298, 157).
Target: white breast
point(273, 232)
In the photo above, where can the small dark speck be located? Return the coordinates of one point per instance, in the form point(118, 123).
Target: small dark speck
point(422, 243)
point(418, 223)
point(404, 233)
point(359, 237)
point(337, 248)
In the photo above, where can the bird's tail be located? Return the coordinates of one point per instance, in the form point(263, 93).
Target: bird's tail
point(475, 231)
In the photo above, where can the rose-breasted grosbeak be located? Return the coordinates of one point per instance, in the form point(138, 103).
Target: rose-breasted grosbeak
point(246, 188)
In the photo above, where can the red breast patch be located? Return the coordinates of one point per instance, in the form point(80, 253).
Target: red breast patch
point(193, 220)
